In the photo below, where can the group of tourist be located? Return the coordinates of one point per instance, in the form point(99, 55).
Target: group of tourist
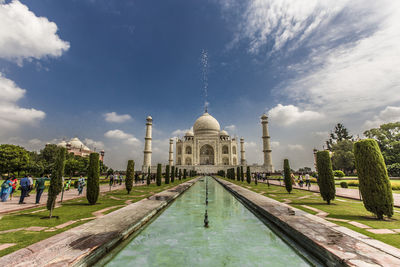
point(115, 179)
point(9, 186)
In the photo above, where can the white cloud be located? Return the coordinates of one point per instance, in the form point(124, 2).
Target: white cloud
point(231, 129)
point(11, 115)
point(389, 114)
point(180, 132)
point(114, 117)
point(94, 144)
point(275, 144)
point(295, 147)
point(23, 35)
point(121, 135)
point(288, 115)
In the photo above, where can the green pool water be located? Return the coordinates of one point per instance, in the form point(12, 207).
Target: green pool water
point(235, 237)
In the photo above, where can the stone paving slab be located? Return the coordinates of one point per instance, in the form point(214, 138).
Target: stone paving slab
point(334, 245)
point(84, 244)
point(381, 231)
point(35, 228)
point(359, 225)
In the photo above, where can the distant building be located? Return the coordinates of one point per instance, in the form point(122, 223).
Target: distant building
point(78, 148)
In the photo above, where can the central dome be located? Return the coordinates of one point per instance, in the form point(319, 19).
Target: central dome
point(206, 124)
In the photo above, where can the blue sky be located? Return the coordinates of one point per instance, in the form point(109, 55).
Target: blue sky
point(65, 65)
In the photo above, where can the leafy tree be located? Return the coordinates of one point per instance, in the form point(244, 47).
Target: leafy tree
point(72, 166)
point(49, 154)
point(287, 178)
point(167, 174)
point(35, 164)
point(343, 156)
point(172, 174)
point(56, 179)
point(394, 170)
point(158, 180)
point(110, 171)
point(326, 181)
point(305, 170)
point(130, 174)
point(340, 133)
point(248, 175)
point(388, 138)
point(373, 178)
point(13, 159)
point(93, 187)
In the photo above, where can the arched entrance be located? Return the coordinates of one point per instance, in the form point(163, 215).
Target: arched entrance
point(206, 155)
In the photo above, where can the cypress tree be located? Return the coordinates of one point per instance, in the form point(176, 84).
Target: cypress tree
point(158, 179)
point(241, 173)
point(248, 175)
point(180, 174)
point(172, 174)
point(286, 174)
point(184, 173)
point(93, 187)
point(148, 174)
point(176, 172)
point(148, 178)
point(374, 183)
point(238, 173)
point(326, 181)
point(56, 179)
point(167, 174)
point(130, 173)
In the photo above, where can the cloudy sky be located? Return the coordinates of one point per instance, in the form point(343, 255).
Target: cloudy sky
point(96, 68)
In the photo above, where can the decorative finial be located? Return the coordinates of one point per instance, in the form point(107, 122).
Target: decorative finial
point(205, 109)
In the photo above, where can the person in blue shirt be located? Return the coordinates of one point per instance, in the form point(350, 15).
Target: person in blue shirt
point(6, 188)
point(24, 183)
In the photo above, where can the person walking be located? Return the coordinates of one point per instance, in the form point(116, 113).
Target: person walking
point(14, 184)
point(30, 185)
point(111, 180)
point(301, 180)
point(6, 189)
point(39, 185)
point(24, 183)
point(68, 184)
point(120, 179)
point(308, 184)
point(81, 185)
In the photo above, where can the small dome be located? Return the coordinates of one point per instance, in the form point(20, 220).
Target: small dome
point(206, 124)
point(149, 118)
point(224, 133)
point(76, 143)
point(264, 117)
point(189, 133)
point(62, 144)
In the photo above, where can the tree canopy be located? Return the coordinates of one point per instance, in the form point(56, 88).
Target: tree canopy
point(340, 133)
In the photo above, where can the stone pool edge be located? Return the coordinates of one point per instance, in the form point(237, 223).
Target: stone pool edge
point(86, 244)
point(332, 244)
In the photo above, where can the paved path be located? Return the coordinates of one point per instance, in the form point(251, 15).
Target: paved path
point(340, 192)
point(12, 205)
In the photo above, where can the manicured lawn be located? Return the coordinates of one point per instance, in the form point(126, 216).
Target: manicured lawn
point(340, 208)
point(72, 210)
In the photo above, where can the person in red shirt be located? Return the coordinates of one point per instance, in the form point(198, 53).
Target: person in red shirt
point(14, 184)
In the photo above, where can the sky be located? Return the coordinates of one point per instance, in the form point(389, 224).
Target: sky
point(96, 69)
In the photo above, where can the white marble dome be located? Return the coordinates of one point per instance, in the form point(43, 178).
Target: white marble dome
point(224, 133)
point(76, 143)
point(62, 144)
point(206, 124)
point(189, 133)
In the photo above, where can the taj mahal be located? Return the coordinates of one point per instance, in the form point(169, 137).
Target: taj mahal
point(207, 148)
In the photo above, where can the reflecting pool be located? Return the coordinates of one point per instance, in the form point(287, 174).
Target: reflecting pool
point(235, 236)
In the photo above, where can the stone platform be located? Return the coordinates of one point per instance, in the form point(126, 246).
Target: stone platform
point(332, 244)
point(87, 243)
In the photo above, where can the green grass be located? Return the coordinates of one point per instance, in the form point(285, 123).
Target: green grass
point(340, 208)
point(70, 210)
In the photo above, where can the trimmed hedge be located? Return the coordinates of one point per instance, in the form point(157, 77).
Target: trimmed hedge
point(167, 174)
point(326, 181)
point(158, 178)
point(343, 185)
point(172, 174)
point(130, 174)
point(338, 173)
point(93, 187)
point(286, 176)
point(241, 173)
point(56, 179)
point(373, 178)
point(238, 177)
point(248, 175)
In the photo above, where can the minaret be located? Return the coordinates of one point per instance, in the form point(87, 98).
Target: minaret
point(266, 143)
point(147, 145)
point(171, 152)
point(242, 155)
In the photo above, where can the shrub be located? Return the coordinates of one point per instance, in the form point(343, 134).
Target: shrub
point(130, 174)
point(374, 182)
point(286, 176)
point(56, 179)
point(93, 187)
point(158, 178)
point(394, 170)
point(248, 175)
point(167, 174)
point(326, 181)
point(343, 185)
point(338, 173)
point(172, 174)
point(353, 183)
